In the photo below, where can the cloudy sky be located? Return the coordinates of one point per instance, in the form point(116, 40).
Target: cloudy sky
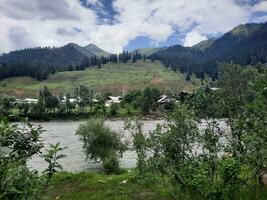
point(115, 25)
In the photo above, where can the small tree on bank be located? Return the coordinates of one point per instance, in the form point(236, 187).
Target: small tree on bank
point(101, 144)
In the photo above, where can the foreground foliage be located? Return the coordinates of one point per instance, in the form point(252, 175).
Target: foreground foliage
point(17, 146)
point(210, 163)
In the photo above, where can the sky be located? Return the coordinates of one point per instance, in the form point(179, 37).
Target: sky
point(116, 25)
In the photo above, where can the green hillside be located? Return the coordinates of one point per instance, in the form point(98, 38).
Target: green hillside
point(114, 78)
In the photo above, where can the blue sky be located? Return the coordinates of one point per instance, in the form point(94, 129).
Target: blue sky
point(115, 25)
point(107, 13)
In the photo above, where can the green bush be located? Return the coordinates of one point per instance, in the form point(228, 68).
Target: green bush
point(17, 146)
point(111, 164)
point(114, 109)
point(101, 144)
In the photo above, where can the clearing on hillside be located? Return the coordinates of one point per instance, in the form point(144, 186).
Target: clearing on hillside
point(115, 78)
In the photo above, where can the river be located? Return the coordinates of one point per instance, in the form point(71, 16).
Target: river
point(64, 132)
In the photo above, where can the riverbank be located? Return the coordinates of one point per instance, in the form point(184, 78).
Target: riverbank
point(110, 118)
point(97, 186)
point(76, 116)
point(124, 186)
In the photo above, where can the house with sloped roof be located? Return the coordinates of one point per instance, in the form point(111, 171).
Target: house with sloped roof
point(165, 99)
point(112, 99)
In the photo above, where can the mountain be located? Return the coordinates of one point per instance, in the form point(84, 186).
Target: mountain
point(42, 62)
point(80, 49)
point(203, 45)
point(180, 51)
point(69, 54)
point(95, 50)
point(245, 44)
point(65, 55)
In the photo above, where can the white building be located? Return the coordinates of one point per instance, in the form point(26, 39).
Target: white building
point(111, 99)
point(165, 99)
point(29, 101)
point(95, 100)
point(71, 100)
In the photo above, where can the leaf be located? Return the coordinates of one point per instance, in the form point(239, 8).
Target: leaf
point(59, 166)
point(13, 190)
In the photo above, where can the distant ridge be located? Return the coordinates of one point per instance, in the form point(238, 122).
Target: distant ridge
point(69, 54)
point(203, 45)
point(246, 44)
point(95, 50)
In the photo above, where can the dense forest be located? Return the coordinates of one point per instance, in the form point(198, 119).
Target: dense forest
point(69, 60)
point(244, 45)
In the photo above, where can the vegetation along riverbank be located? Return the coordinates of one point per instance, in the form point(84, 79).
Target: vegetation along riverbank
point(175, 160)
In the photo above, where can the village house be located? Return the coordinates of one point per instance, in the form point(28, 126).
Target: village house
point(95, 101)
point(74, 101)
point(71, 100)
point(30, 101)
point(17, 101)
point(112, 99)
point(211, 89)
point(165, 99)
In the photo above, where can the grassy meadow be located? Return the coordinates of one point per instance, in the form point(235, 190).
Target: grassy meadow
point(124, 186)
point(116, 78)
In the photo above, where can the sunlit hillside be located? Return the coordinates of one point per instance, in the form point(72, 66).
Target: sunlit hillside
point(114, 78)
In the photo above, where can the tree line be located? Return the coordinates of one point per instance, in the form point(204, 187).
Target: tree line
point(18, 63)
point(83, 101)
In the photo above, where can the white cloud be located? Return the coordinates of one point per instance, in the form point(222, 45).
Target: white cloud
point(43, 10)
point(55, 23)
point(19, 38)
point(43, 24)
point(193, 38)
point(260, 7)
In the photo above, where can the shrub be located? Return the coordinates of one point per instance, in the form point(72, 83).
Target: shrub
point(101, 144)
point(139, 143)
point(114, 109)
point(62, 108)
point(17, 146)
point(111, 164)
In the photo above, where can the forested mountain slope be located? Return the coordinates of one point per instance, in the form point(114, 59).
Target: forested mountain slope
point(70, 54)
point(246, 44)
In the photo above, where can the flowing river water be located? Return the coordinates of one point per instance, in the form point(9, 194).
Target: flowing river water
point(64, 132)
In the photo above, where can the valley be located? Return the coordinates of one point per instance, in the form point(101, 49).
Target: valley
point(133, 100)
